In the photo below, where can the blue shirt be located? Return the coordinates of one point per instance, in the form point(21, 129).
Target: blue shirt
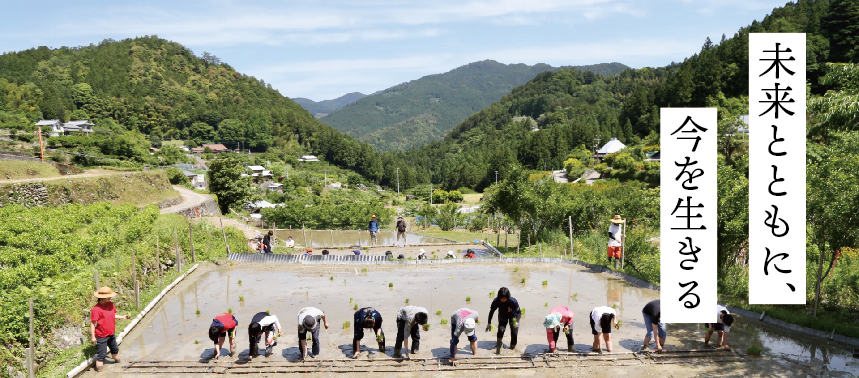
point(374, 226)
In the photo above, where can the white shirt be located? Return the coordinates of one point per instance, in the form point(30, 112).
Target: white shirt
point(290, 243)
point(408, 314)
point(598, 312)
point(269, 320)
point(719, 309)
point(615, 230)
point(312, 311)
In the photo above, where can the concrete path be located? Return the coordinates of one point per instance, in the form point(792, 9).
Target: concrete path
point(190, 199)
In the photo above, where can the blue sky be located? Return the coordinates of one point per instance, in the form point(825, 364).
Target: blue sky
point(324, 49)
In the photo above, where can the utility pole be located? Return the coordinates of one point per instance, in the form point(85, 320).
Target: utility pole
point(496, 177)
point(398, 183)
point(596, 143)
point(430, 193)
point(41, 146)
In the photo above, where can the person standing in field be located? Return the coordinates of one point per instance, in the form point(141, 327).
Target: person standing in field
point(309, 319)
point(373, 228)
point(223, 326)
point(266, 242)
point(508, 312)
point(462, 321)
point(614, 240)
point(561, 317)
point(263, 323)
point(409, 319)
point(102, 326)
point(401, 231)
point(602, 319)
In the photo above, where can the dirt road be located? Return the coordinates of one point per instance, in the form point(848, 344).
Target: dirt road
point(190, 199)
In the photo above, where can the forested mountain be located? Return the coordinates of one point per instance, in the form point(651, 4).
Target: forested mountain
point(322, 108)
point(417, 112)
point(150, 86)
point(571, 108)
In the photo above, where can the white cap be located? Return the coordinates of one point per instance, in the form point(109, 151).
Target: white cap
point(422, 250)
point(469, 327)
point(450, 253)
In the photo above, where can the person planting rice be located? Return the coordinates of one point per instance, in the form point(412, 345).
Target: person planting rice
point(462, 321)
point(722, 326)
point(222, 326)
point(102, 326)
point(367, 317)
point(409, 319)
point(508, 311)
point(652, 322)
point(561, 317)
point(401, 231)
point(263, 323)
point(602, 319)
point(308, 321)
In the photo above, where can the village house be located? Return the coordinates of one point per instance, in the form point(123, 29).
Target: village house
point(215, 148)
point(58, 128)
point(198, 180)
point(611, 147)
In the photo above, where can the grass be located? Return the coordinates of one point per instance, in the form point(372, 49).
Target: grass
point(241, 298)
point(356, 307)
point(491, 294)
point(16, 170)
point(523, 311)
point(426, 327)
point(754, 350)
point(472, 199)
point(468, 299)
point(198, 311)
point(444, 321)
point(546, 304)
point(545, 283)
point(438, 312)
point(516, 269)
point(351, 300)
point(345, 325)
point(230, 310)
point(523, 280)
point(390, 284)
point(407, 300)
point(240, 282)
point(363, 270)
point(138, 188)
point(331, 278)
point(196, 341)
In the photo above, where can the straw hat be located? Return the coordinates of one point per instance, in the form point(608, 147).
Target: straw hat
point(617, 219)
point(104, 292)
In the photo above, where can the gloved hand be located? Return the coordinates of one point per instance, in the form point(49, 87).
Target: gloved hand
point(514, 323)
point(488, 327)
point(380, 338)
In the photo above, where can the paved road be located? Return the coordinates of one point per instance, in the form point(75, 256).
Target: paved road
point(190, 199)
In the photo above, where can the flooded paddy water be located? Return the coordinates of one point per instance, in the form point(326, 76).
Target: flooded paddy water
point(171, 332)
point(354, 238)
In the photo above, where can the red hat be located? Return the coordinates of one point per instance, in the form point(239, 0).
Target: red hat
point(308, 250)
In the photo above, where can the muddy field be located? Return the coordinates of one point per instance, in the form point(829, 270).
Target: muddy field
point(355, 238)
point(174, 335)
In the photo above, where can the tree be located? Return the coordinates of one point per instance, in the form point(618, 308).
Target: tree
point(231, 130)
point(227, 183)
point(201, 131)
point(842, 26)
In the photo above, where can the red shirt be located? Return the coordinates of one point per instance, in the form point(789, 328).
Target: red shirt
point(105, 315)
point(228, 320)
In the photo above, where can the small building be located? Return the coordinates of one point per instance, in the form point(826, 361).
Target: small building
point(198, 181)
point(83, 126)
point(308, 158)
point(215, 148)
point(652, 156)
point(275, 187)
point(611, 147)
point(257, 169)
point(56, 127)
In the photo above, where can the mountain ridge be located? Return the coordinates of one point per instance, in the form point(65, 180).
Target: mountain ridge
point(420, 111)
point(320, 109)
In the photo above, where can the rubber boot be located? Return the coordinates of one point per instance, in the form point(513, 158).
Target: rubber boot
point(382, 347)
point(498, 346)
point(397, 352)
point(615, 263)
point(416, 347)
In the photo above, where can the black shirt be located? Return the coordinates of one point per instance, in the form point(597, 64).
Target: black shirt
point(266, 240)
point(653, 309)
point(506, 310)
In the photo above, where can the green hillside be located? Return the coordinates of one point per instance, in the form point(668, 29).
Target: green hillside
point(160, 89)
point(322, 108)
point(571, 108)
point(423, 110)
